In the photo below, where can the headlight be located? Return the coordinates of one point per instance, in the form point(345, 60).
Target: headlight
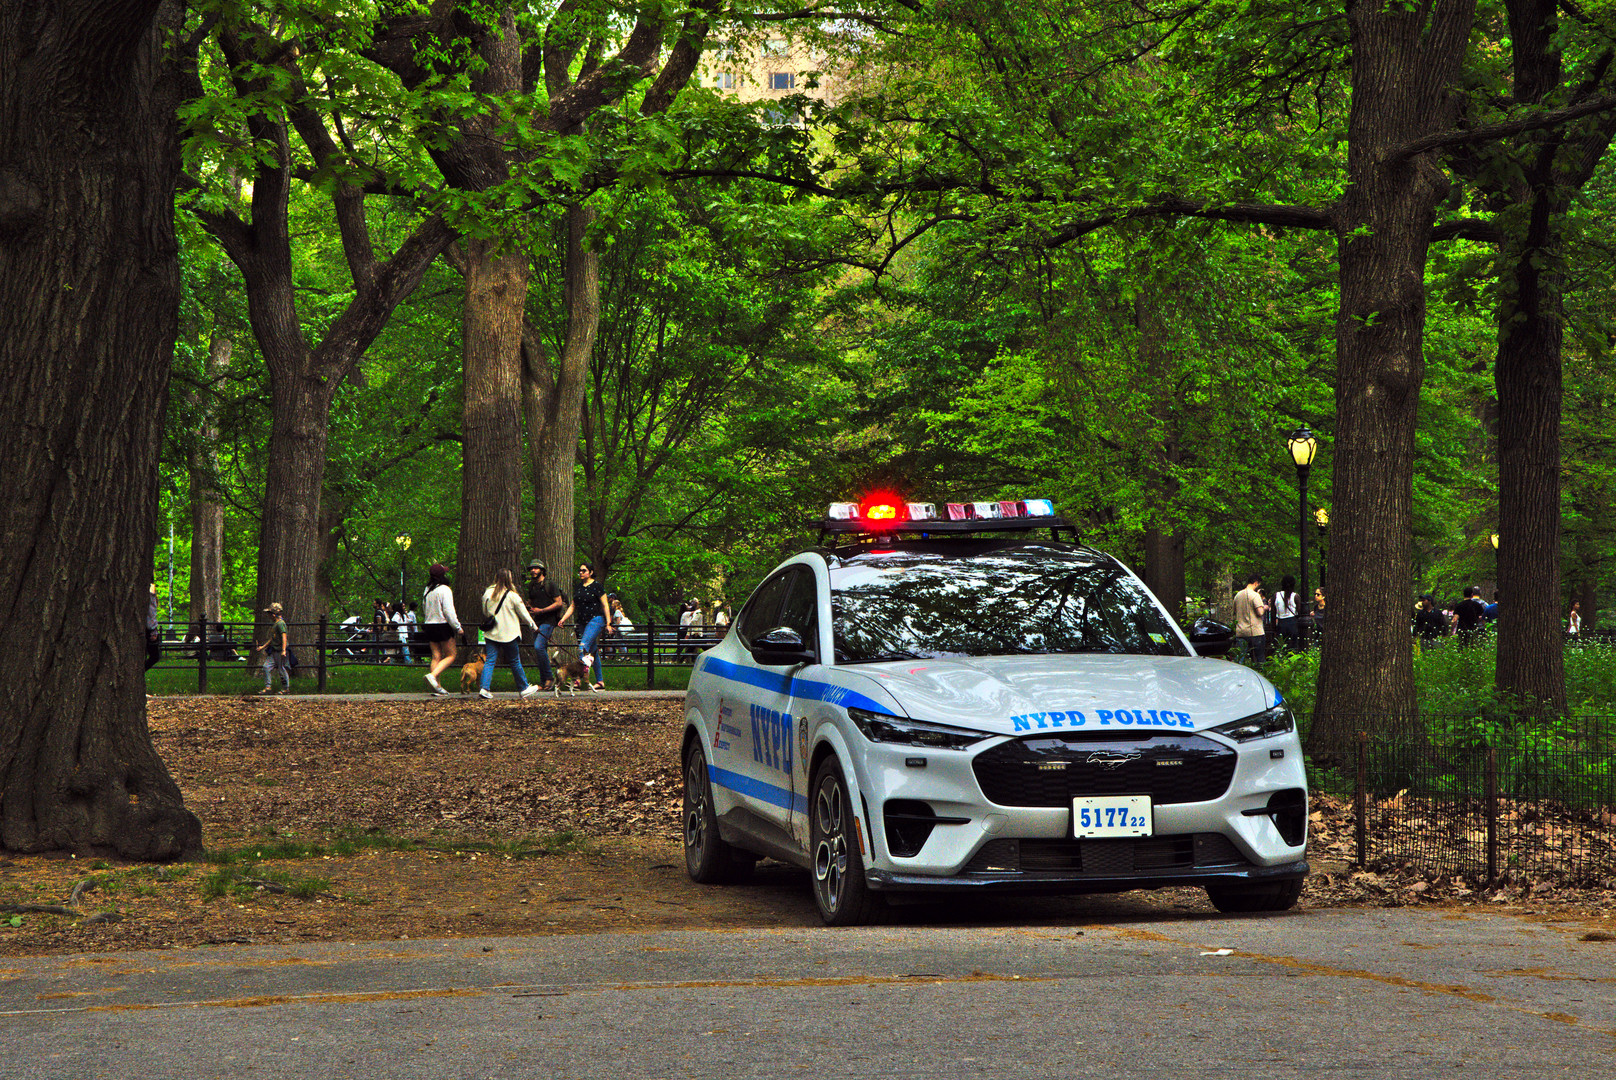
point(1275, 721)
point(898, 729)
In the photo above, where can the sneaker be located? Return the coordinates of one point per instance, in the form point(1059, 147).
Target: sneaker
point(484, 694)
point(586, 660)
point(532, 688)
point(432, 681)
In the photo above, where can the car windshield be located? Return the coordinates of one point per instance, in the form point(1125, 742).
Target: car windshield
point(924, 605)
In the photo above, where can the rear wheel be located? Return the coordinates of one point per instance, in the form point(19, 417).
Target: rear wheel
point(708, 858)
point(1271, 896)
point(840, 891)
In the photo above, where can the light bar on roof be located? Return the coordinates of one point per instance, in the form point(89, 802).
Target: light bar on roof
point(843, 512)
point(984, 510)
point(956, 512)
point(922, 511)
point(1039, 508)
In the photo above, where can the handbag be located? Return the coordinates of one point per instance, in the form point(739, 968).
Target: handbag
point(491, 622)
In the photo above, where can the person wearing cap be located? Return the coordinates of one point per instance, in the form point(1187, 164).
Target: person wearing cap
point(544, 603)
point(275, 652)
point(439, 624)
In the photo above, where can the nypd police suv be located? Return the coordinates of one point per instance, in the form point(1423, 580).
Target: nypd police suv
point(967, 702)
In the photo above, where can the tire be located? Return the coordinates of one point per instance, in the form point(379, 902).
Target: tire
point(840, 891)
point(708, 858)
point(1274, 896)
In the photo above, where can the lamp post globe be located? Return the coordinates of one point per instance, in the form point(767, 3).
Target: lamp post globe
point(403, 541)
point(1303, 447)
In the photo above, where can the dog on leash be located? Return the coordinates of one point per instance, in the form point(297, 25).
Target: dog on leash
point(471, 676)
point(570, 673)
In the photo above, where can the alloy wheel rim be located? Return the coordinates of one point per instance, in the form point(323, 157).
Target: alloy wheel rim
point(695, 809)
point(830, 854)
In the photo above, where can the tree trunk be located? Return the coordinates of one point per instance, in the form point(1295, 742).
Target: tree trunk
point(1527, 375)
point(1164, 547)
point(1531, 664)
point(555, 438)
point(89, 294)
point(289, 546)
point(491, 427)
point(1403, 63)
point(207, 501)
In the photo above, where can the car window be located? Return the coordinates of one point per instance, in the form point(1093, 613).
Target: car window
point(801, 608)
point(762, 612)
point(912, 605)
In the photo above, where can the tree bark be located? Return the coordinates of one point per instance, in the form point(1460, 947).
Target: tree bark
point(558, 413)
point(491, 424)
point(207, 500)
point(89, 292)
point(1404, 63)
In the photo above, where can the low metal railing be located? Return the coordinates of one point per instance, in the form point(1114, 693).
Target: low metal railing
point(323, 646)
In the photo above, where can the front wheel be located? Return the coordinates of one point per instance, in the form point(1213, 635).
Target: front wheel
point(709, 859)
point(1272, 896)
point(840, 891)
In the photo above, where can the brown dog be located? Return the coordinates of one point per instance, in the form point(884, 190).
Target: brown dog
point(471, 676)
point(569, 673)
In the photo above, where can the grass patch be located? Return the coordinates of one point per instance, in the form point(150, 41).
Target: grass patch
point(283, 848)
point(242, 880)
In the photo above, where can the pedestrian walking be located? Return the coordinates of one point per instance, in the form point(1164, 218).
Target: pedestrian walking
point(503, 605)
point(1318, 611)
point(154, 631)
point(1574, 620)
point(276, 652)
point(1285, 613)
point(594, 619)
point(1249, 609)
point(1429, 625)
point(545, 603)
point(439, 624)
point(1469, 616)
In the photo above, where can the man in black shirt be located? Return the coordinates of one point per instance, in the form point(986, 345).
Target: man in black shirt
point(1468, 616)
point(544, 603)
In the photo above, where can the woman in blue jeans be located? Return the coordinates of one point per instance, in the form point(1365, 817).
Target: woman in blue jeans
point(594, 619)
point(509, 611)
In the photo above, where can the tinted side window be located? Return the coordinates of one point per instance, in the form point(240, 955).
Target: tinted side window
point(801, 608)
point(762, 612)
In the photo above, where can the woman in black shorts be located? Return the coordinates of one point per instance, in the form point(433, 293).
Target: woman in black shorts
point(439, 624)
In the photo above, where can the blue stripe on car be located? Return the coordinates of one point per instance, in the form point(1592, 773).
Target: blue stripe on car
point(757, 789)
point(797, 688)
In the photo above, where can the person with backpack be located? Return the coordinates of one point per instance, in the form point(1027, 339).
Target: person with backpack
point(506, 617)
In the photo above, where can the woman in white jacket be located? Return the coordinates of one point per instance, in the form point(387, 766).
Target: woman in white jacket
point(506, 606)
point(439, 624)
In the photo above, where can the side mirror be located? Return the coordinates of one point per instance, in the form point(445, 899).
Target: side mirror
point(782, 645)
point(1211, 638)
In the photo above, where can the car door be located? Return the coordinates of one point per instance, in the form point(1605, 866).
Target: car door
point(765, 754)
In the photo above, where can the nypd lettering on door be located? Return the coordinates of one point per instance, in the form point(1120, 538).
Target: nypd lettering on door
point(1072, 718)
point(772, 739)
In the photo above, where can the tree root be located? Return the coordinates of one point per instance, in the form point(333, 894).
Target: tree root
point(79, 890)
point(40, 909)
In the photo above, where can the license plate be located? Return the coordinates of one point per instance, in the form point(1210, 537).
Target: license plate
point(1111, 815)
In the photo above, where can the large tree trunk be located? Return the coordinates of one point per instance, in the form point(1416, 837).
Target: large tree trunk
point(289, 546)
point(555, 437)
point(1164, 547)
point(89, 292)
point(1527, 375)
point(1403, 64)
point(1531, 663)
point(207, 500)
point(491, 426)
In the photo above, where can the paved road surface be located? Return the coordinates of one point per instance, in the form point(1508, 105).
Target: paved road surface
point(1337, 993)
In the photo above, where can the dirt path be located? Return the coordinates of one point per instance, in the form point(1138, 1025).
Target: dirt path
point(368, 821)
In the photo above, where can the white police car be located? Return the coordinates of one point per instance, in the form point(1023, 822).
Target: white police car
point(958, 703)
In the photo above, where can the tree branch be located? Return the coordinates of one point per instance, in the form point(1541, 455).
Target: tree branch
point(1489, 132)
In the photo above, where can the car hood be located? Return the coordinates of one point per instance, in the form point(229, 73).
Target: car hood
point(1018, 694)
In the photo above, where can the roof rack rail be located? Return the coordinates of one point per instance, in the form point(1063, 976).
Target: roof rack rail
point(926, 530)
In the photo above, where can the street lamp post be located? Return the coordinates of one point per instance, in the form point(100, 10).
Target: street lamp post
point(403, 541)
point(1303, 446)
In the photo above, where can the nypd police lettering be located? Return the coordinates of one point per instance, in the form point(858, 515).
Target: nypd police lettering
point(772, 739)
point(1072, 718)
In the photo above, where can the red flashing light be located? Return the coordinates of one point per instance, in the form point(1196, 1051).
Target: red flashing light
point(882, 509)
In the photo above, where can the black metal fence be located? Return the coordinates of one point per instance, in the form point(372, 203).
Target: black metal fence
point(1480, 798)
point(322, 646)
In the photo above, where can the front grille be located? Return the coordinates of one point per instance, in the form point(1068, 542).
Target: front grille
point(1106, 858)
point(1048, 770)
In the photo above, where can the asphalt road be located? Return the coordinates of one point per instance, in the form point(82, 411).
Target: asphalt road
point(1354, 993)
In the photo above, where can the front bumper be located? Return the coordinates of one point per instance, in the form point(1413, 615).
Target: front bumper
point(1052, 882)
